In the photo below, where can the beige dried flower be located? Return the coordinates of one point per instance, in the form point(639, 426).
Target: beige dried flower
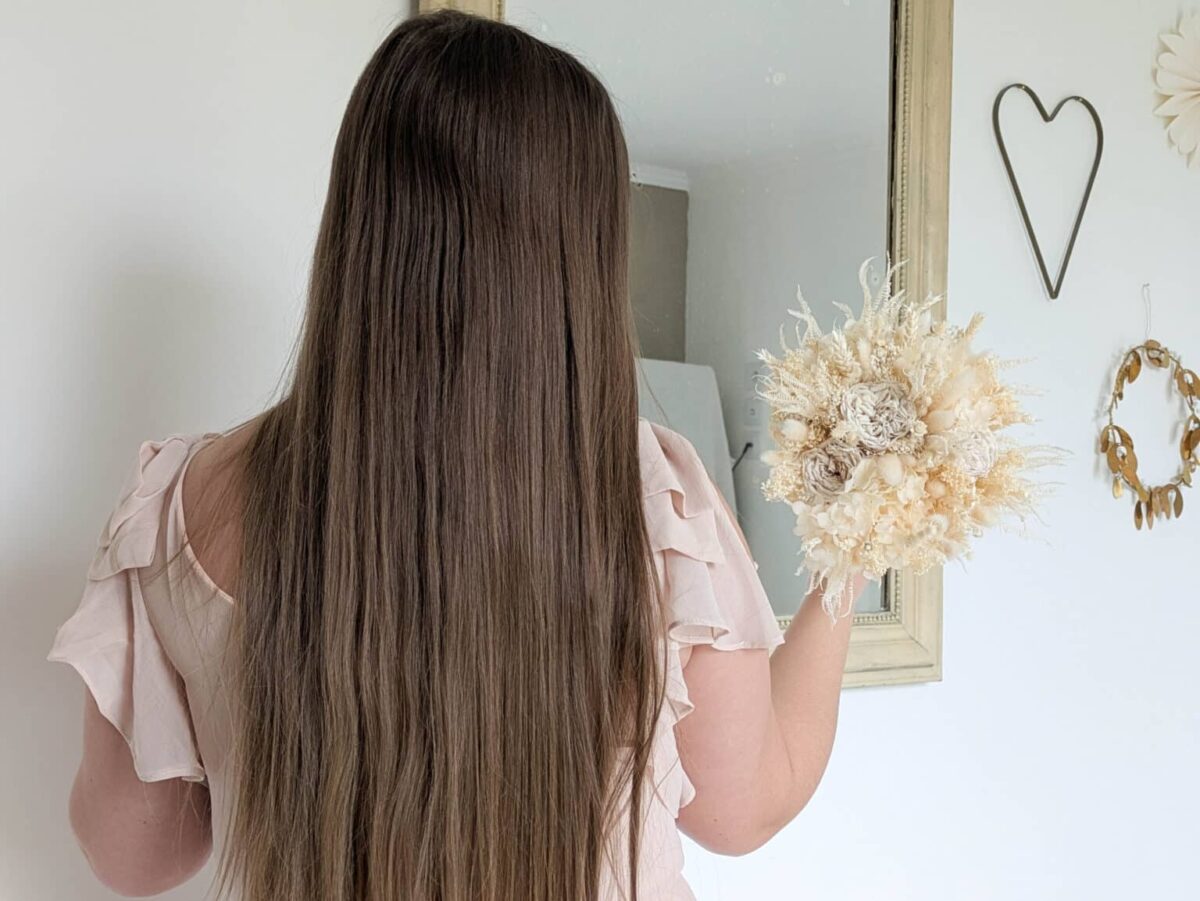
point(826, 468)
point(878, 414)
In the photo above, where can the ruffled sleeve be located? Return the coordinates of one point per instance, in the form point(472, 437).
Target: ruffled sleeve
point(710, 584)
point(111, 641)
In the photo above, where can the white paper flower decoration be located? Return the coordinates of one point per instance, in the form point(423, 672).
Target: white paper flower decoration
point(1178, 77)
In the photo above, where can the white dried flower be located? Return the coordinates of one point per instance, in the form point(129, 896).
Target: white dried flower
point(793, 430)
point(878, 414)
point(940, 420)
point(891, 468)
point(826, 468)
point(975, 452)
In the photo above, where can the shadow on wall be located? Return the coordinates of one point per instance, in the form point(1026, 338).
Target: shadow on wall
point(149, 352)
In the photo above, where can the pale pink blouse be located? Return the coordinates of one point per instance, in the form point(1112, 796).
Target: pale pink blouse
point(149, 633)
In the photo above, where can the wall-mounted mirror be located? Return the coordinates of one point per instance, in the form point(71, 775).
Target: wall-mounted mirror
point(772, 146)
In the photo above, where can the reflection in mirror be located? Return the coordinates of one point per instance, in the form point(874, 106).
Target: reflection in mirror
point(759, 140)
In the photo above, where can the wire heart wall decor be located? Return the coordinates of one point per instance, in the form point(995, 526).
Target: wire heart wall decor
point(1052, 287)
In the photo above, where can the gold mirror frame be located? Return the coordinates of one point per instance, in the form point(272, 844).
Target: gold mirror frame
point(493, 9)
point(902, 643)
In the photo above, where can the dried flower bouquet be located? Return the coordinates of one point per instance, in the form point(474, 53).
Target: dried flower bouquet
point(889, 444)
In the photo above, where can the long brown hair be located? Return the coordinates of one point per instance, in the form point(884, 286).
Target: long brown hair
point(447, 643)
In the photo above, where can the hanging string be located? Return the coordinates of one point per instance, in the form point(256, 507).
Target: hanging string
point(1146, 298)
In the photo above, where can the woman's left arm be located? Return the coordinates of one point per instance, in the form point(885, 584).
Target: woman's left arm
point(140, 838)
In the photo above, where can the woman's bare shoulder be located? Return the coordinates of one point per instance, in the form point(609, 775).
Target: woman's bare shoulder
point(212, 499)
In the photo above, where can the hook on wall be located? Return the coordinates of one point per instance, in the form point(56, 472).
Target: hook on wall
point(1146, 299)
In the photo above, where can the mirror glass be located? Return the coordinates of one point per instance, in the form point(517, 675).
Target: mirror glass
point(759, 143)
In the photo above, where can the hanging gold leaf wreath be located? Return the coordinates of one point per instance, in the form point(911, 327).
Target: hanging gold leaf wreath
point(1162, 501)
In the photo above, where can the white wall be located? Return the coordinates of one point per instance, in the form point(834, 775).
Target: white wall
point(1058, 759)
point(162, 170)
point(157, 215)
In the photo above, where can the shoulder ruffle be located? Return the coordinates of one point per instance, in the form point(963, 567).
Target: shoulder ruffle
point(110, 640)
point(131, 534)
point(710, 584)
